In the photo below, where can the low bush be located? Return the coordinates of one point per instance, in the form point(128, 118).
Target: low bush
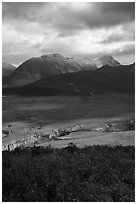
point(94, 173)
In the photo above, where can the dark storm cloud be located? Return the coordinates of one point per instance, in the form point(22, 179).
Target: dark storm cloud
point(21, 10)
point(96, 15)
point(108, 14)
point(122, 7)
point(65, 17)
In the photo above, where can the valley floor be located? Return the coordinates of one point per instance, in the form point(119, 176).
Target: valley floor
point(25, 116)
point(63, 172)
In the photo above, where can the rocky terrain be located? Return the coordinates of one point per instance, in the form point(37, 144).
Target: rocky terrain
point(106, 60)
point(61, 134)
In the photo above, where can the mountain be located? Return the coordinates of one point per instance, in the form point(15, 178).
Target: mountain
point(132, 68)
point(47, 65)
point(84, 63)
point(106, 60)
point(107, 79)
point(7, 69)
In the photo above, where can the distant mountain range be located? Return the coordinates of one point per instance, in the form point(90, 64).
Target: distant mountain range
point(37, 68)
point(86, 82)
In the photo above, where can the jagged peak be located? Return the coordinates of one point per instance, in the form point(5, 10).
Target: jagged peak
point(106, 60)
point(106, 57)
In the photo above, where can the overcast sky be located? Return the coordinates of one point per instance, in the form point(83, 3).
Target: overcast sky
point(71, 29)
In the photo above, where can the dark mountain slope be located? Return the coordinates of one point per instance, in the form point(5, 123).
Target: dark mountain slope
point(7, 68)
point(104, 80)
point(132, 68)
point(30, 71)
point(47, 65)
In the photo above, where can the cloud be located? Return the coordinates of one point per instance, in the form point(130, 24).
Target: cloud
point(119, 7)
point(107, 14)
point(121, 34)
point(86, 28)
point(20, 10)
point(71, 15)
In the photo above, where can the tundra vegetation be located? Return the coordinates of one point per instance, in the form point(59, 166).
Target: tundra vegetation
point(93, 173)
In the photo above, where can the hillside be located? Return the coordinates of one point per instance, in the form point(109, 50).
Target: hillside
point(107, 79)
point(47, 65)
point(7, 69)
point(54, 64)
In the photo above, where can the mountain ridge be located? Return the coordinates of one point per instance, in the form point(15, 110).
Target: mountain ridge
point(7, 68)
point(36, 68)
point(106, 60)
point(107, 79)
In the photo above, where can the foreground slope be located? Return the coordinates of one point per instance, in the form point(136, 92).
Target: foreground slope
point(94, 174)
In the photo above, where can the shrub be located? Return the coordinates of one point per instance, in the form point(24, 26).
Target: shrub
point(97, 173)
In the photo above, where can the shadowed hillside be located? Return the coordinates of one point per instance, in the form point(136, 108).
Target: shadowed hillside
point(7, 69)
point(47, 65)
point(54, 64)
point(107, 79)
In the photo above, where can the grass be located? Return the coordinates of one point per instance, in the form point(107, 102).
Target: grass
point(94, 173)
point(48, 110)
